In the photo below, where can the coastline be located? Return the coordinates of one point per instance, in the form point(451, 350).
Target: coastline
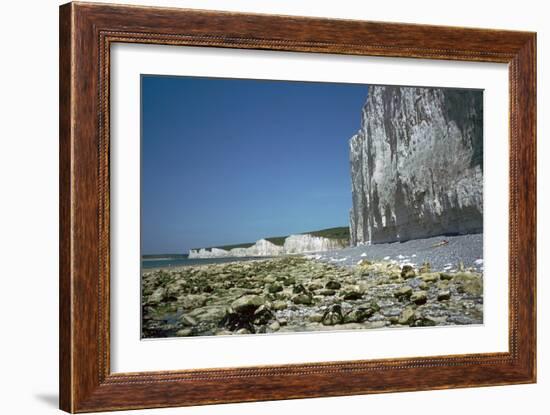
point(439, 251)
point(206, 262)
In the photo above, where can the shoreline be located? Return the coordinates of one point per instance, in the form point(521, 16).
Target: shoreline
point(232, 260)
point(440, 251)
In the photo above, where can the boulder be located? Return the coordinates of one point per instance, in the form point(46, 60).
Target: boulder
point(430, 277)
point(444, 295)
point(407, 272)
point(262, 315)
point(333, 316)
point(303, 299)
point(469, 283)
point(278, 305)
point(189, 301)
point(315, 286)
point(157, 296)
point(419, 297)
point(403, 292)
point(187, 321)
point(275, 326)
point(213, 314)
point(333, 285)
point(299, 288)
point(352, 292)
point(407, 316)
point(426, 267)
point(358, 315)
point(247, 304)
point(274, 287)
point(316, 318)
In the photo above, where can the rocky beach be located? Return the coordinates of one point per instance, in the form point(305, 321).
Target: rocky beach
point(314, 292)
point(411, 254)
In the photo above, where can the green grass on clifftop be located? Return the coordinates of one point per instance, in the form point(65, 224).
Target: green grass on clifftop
point(341, 232)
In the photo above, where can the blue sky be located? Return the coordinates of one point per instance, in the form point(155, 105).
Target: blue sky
point(227, 161)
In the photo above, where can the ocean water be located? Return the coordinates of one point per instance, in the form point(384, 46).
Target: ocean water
point(170, 262)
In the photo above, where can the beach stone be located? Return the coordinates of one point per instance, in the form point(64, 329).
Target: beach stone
point(212, 314)
point(268, 279)
point(187, 320)
point(426, 267)
point(299, 288)
point(184, 332)
point(358, 315)
point(247, 304)
point(288, 281)
point(262, 315)
point(274, 287)
point(278, 305)
point(403, 292)
point(407, 316)
point(191, 301)
point(314, 286)
point(157, 296)
point(352, 293)
point(333, 285)
point(333, 316)
point(275, 326)
point(243, 331)
point(419, 297)
point(427, 321)
point(407, 271)
point(303, 299)
point(430, 277)
point(445, 276)
point(326, 292)
point(394, 276)
point(444, 295)
point(469, 283)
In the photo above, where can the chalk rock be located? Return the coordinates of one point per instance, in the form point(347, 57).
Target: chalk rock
point(417, 164)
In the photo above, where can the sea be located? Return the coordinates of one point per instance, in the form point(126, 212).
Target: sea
point(180, 260)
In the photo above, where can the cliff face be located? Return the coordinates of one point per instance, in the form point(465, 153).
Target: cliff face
point(293, 244)
point(417, 164)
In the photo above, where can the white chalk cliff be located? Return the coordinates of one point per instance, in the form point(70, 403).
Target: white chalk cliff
point(294, 244)
point(417, 164)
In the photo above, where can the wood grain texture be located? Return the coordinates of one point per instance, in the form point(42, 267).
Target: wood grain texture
point(86, 33)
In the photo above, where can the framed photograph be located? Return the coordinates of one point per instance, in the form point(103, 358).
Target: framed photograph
point(258, 207)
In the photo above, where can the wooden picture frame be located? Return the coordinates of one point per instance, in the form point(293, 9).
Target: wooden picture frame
point(86, 33)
